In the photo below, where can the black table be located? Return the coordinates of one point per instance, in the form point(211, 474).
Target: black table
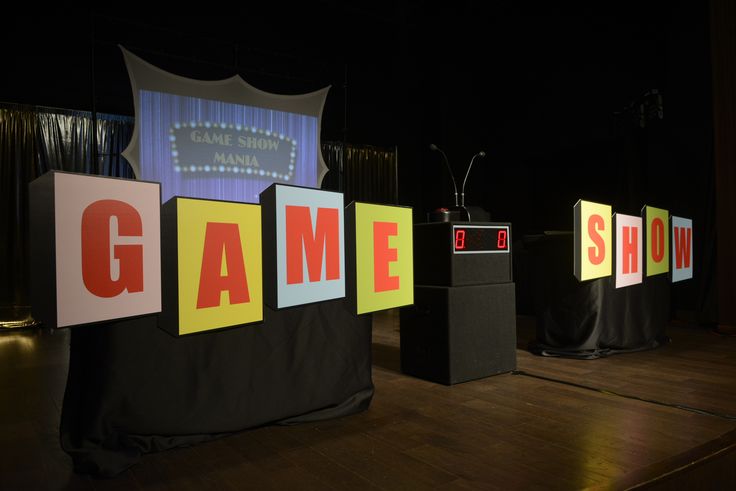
point(133, 388)
point(586, 319)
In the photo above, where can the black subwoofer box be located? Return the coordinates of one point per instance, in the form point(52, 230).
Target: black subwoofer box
point(456, 334)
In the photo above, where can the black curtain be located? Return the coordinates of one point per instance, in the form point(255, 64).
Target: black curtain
point(65, 142)
point(723, 51)
point(34, 140)
point(369, 173)
point(18, 167)
point(332, 154)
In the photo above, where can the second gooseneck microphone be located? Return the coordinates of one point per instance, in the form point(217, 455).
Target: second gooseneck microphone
point(462, 191)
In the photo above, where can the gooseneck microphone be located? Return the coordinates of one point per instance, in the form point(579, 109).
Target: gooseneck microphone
point(462, 192)
point(435, 148)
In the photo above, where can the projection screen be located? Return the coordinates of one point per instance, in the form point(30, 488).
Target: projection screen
point(221, 139)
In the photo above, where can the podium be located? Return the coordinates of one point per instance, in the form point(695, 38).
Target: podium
point(462, 325)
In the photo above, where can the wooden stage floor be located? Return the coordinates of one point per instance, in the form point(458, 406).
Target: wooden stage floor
point(660, 419)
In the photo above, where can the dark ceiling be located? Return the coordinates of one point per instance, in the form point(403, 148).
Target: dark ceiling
point(545, 91)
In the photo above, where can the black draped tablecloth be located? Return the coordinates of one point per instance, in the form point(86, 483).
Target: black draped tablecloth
point(586, 319)
point(133, 388)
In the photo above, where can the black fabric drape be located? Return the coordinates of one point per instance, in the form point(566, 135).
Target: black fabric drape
point(34, 140)
point(133, 388)
point(587, 319)
point(369, 173)
point(18, 166)
point(332, 154)
point(65, 143)
point(113, 135)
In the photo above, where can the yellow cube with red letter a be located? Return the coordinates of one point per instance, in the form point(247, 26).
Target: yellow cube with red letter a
point(219, 264)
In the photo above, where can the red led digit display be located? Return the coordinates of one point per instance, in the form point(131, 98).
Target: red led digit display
point(501, 242)
point(479, 239)
point(459, 239)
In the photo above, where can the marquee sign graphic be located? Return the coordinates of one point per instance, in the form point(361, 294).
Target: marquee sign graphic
point(207, 149)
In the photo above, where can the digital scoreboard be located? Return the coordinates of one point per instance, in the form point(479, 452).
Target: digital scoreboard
point(480, 239)
point(462, 253)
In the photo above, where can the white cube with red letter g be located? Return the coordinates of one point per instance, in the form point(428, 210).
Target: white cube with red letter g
point(104, 236)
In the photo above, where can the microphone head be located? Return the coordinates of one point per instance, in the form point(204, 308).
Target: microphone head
point(482, 153)
point(432, 146)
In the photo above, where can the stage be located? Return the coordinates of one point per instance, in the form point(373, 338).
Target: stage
point(663, 419)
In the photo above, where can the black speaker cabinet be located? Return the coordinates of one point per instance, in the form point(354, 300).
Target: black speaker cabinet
point(456, 334)
point(462, 253)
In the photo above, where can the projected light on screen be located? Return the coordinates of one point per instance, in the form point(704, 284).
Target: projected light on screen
point(221, 140)
point(211, 149)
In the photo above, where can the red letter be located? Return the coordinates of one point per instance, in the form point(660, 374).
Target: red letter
point(325, 241)
point(630, 246)
point(657, 240)
point(96, 260)
point(683, 235)
point(382, 255)
point(219, 238)
point(598, 253)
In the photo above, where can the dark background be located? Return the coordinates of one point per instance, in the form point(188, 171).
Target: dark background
point(553, 95)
